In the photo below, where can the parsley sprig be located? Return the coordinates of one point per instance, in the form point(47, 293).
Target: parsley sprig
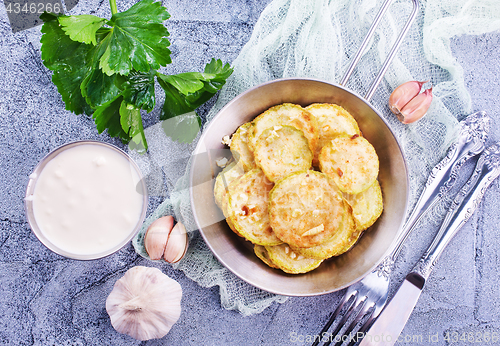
point(107, 69)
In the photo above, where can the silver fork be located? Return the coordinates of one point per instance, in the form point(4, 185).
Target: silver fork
point(370, 294)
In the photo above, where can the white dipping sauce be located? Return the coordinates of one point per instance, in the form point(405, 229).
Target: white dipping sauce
point(86, 201)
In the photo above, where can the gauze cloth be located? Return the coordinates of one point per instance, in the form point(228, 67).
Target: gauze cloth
point(316, 39)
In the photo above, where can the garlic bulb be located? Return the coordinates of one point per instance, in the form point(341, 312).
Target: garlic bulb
point(161, 240)
point(157, 236)
point(408, 104)
point(144, 303)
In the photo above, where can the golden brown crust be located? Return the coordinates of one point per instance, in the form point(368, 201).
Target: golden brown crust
point(289, 261)
point(333, 121)
point(367, 206)
point(285, 114)
point(223, 180)
point(248, 208)
point(351, 162)
point(335, 245)
point(282, 150)
point(224, 204)
point(239, 147)
point(306, 209)
point(261, 252)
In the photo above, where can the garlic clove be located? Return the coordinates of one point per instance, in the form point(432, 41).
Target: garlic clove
point(417, 107)
point(144, 303)
point(156, 237)
point(404, 94)
point(176, 244)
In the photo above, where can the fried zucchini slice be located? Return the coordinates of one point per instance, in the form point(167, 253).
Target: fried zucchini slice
point(239, 147)
point(333, 121)
point(282, 150)
point(285, 114)
point(248, 208)
point(261, 252)
point(338, 244)
point(289, 261)
point(231, 226)
point(306, 209)
point(225, 201)
point(367, 206)
point(350, 243)
point(229, 175)
point(231, 172)
point(351, 162)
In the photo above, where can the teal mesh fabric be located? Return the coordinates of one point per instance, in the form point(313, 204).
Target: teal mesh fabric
point(316, 38)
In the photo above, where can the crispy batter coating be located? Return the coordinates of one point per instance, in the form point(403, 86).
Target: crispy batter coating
point(261, 252)
point(285, 114)
point(289, 261)
point(248, 208)
point(335, 245)
point(307, 216)
point(239, 147)
point(333, 121)
point(367, 206)
point(306, 209)
point(282, 150)
point(351, 162)
point(224, 178)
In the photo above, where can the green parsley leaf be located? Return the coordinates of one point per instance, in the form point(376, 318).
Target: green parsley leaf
point(81, 28)
point(107, 69)
point(99, 89)
point(138, 39)
point(216, 74)
point(178, 97)
point(185, 83)
point(188, 83)
point(68, 60)
point(131, 121)
point(175, 102)
point(187, 91)
point(108, 117)
point(179, 121)
point(68, 86)
point(139, 89)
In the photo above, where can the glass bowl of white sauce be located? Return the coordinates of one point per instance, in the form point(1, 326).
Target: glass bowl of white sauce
point(86, 200)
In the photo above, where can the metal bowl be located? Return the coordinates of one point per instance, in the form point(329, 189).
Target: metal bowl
point(237, 254)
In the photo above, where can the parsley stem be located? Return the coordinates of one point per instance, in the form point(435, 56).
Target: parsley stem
point(114, 9)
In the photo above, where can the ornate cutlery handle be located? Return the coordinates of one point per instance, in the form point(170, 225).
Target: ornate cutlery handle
point(470, 142)
point(465, 203)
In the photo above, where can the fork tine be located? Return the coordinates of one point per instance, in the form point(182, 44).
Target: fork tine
point(362, 330)
point(373, 316)
point(334, 315)
point(362, 313)
point(354, 306)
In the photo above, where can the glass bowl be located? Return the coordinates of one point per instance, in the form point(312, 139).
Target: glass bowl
point(30, 214)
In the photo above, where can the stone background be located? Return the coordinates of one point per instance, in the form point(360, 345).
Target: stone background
point(48, 300)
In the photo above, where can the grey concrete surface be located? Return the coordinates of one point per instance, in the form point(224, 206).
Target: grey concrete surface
point(48, 300)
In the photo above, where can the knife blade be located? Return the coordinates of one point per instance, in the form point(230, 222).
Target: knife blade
point(469, 143)
point(391, 321)
point(389, 325)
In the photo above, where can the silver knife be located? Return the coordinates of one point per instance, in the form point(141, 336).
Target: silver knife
point(473, 132)
point(391, 321)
